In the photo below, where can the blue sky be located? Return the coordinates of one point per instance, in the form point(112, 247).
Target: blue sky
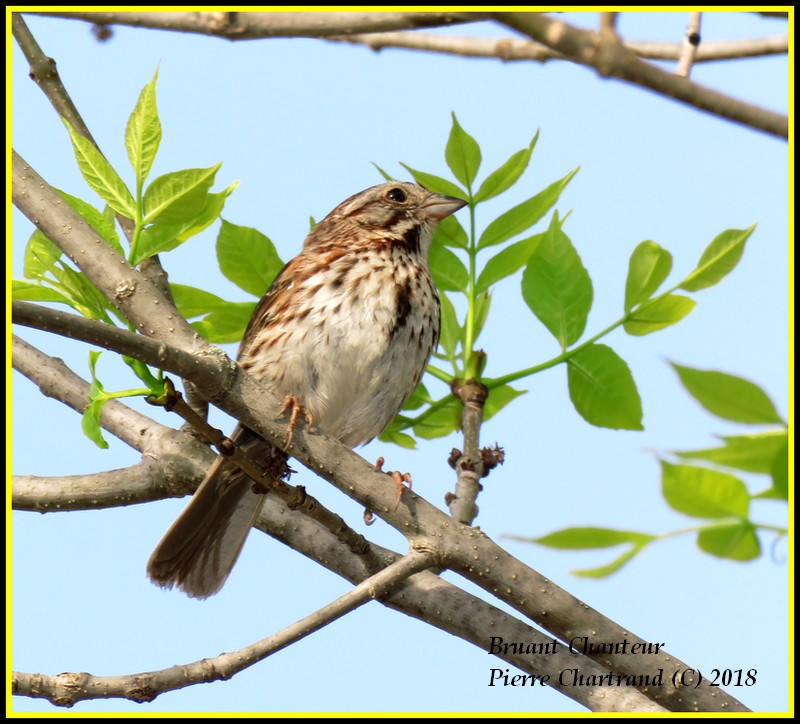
point(299, 123)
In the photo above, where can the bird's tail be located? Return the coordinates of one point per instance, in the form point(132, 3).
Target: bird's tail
point(201, 547)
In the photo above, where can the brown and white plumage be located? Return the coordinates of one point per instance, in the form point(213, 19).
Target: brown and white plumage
point(346, 329)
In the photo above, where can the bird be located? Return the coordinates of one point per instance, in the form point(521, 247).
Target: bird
point(344, 333)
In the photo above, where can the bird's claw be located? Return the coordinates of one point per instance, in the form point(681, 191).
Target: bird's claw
point(292, 403)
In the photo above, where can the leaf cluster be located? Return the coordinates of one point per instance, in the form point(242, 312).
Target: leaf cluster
point(556, 287)
point(707, 484)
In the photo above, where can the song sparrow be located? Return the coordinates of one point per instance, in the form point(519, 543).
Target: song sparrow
point(345, 332)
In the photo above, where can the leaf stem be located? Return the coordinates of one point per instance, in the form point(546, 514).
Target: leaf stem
point(567, 354)
point(439, 374)
point(433, 407)
point(563, 357)
point(469, 323)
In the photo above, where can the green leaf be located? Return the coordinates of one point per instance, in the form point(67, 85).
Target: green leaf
point(703, 493)
point(441, 422)
point(143, 132)
point(386, 176)
point(109, 215)
point(498, 398)
point(501, 179)
point(524, 215)
point(462, 153)
point(31, 292)
point(450, 233)
point(736, 542)
point(450, 329)
point(90, 422)
point(752, 453)
point(718, 259)
point(657, 314)
point(612, 567)
point(41, 256)
point(100, 175)
point(160, 237)
point(98, 220)
point(728, 396)
point(419, 397)
point(84, 296)
point(178, 196)
point(227, 324)
point(780, 472)
point(436, 183)
point(649, 266)
point(194, 302)
point(583, 538)
point(557, 287)
point(447, 270)
point(507, 261)
point(602, 389)
point(247, 258)
point(398, 438)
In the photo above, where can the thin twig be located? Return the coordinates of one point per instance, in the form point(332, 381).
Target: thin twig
point(44, 73)
point(69, 688)
point(608, 22)
point(517, 49)
point(691, 41)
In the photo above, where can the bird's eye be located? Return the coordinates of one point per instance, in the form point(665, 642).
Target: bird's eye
point(396, 194)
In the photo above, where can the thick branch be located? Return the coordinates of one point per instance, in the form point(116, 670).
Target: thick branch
point(107, 336)
point(109, 489)
point(247, 26)
point(606, 54)
point(469, 464)
point(57, 381)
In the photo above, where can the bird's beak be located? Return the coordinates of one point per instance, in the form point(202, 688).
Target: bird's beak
point(438, 206)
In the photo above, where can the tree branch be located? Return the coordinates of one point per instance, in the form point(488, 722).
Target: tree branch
point(505, 49)
point(248, 26)
point(70, 688)
point(43, 72)
point(467, 550)
point(464, 549)
point(57, 381)
point(425, 596)
point(691, 41)
point(469, 464)
point(606, 54)
point(107, 336)
point(109, 489)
